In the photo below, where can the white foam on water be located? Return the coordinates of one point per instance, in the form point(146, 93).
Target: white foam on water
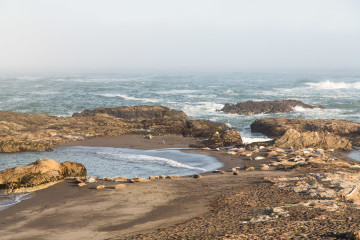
point(12, 199)
point(199, 108)
point(228, 92)
point(255, 139)
point(181, 91)
point(201, 96)
point(302, 109)
point(126, 97)
point(329, 85)
point(140, 158)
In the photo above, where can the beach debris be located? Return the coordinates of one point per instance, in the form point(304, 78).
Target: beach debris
point(264, 167)
point(148, 136)
point(137, 179)
point(272, 154)
point(120, 179)
point(197, 176)
point(173, 176)
point(249, 168)
point(120, 186)
point(91, 179)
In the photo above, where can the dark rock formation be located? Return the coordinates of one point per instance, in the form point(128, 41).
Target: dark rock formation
point(275, 127)
point(251, 107)
point(135, 113)
point(39, 174)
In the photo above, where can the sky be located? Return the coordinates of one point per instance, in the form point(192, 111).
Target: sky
point(182, 35)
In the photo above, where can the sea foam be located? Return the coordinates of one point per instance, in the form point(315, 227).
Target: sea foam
point(329, 85)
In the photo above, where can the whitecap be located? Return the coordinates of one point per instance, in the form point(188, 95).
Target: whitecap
point(179, 91)
point(126, 97)
point(329, 85)
point(255, 139)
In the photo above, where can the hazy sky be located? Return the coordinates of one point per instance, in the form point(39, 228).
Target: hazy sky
point(119, 35)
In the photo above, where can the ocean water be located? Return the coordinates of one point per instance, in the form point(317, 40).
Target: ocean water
point(111, 162)
point(198, 95)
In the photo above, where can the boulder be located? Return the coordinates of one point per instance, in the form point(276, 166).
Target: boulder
point(257, 107)
point(226, 138)
point(39, 174)
point(295, 139)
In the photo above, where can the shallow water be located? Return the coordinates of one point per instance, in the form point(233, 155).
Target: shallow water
point(110, 162)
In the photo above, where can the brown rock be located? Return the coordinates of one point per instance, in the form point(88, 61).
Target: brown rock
point(293, 138)
point(197, 176)
point(41, 172)
point(119, 186)
point(135, 113)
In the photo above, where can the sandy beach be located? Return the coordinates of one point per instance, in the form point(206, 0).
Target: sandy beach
point(215, 206)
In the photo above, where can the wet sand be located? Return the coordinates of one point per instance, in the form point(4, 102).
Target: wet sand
point(212, 207)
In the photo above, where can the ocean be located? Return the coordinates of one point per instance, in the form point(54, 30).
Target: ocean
point(200, 96)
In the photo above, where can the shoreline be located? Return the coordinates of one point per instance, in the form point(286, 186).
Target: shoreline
point(151, 210)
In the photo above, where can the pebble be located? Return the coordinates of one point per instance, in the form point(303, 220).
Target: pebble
point(119, 186)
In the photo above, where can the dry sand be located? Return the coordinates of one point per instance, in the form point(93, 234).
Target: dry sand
point(212, 207)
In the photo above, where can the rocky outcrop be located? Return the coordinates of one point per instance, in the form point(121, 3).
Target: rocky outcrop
point(38, 132)
point(135, 113)
point(253, 107)
point(326, 140)
point(227, 138)
point(38, 175)
point(275, 127)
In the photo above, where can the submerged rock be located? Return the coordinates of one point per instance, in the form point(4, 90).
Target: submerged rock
point(253, 107)
point(39, 174)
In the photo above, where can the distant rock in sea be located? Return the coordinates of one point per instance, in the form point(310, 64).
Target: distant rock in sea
point(257, 107)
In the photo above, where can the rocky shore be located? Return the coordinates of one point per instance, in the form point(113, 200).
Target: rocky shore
point(38, 132)
point(261, 192)
point(300, 186)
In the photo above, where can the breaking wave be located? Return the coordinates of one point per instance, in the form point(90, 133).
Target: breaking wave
point(329, 85)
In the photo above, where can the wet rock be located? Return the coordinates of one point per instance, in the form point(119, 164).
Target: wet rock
point(254, 107)
point(39, 174)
